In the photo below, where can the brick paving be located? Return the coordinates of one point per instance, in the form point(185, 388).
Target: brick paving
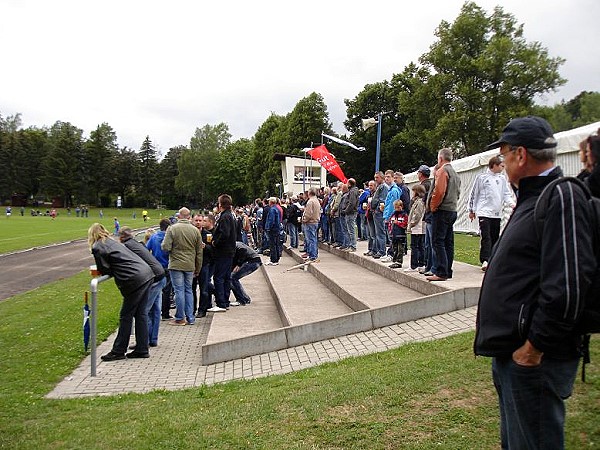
point(176, 362)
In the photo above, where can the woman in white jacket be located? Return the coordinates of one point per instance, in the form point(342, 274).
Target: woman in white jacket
point(416, 229)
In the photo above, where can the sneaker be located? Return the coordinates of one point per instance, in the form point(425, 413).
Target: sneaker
point(342, 247)
point(369, 253)
point(272, 263)
point(376, 256)
point(410, 269)
point(191, 323)
point(421, 269)
point(177, 322)
point(396, 266)
point(134, 354)
point(234, 303)
point(215, 309)
point(484, 266)
point(428, 274)
point(153, 344)
point(200, 314)
point(351, 249)
point(386, 258)
point(110, 356)
point(167, 318)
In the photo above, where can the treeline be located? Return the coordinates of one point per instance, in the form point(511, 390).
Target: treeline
point(478, 74)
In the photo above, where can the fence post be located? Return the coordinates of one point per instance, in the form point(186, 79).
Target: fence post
point(93, 329)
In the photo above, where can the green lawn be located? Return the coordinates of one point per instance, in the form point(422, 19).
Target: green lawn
point(420, 396)
point(21, 232)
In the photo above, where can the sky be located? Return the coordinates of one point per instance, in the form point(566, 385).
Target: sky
point(163, 69)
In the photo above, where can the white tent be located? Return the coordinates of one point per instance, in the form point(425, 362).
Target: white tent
point(468, 168)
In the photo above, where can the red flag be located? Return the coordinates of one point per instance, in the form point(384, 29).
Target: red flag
point(326, 159)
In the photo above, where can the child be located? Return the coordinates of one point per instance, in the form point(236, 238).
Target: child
point(117, 227)
point(398, 223)
point(416, 229)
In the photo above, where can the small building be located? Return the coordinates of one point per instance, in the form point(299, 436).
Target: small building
point(300, 173)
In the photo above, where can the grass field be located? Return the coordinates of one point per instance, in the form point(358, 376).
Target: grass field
point(420, 396)
point(21, 232)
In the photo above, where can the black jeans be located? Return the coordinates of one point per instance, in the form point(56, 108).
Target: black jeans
point(490, 231)
point(133, 306)
point(167, 296)
point(417, 251)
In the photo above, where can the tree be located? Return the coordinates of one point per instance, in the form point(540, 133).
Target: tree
point(305, 123)
point(62, 165)
point(478, 74)
point(233, 163)
point(123, 167)
point(100, 150)
point(148, 168)
point(167, 173)
point(198, 167)
point(263, 171)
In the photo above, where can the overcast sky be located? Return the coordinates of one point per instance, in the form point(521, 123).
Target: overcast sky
point(164, 68)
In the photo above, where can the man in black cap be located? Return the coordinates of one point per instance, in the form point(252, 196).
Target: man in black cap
point(533, 292)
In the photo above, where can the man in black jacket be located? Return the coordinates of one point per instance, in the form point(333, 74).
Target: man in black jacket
point(533, 292)
point(245, 261)
point(223, 242)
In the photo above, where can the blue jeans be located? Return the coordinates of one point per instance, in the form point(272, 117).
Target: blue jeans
point(324, 224)
point(350, 226)
point(154, 310)
point(310, 240)
point(344, 238)
point(292, 231)
point(380, 234)
point(236, 286)
point(442, 233)
point(532, 409)
point(184, 299)
point(428, 250)
point(222, 280)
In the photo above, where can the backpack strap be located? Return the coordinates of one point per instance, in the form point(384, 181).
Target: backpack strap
point(543, 201)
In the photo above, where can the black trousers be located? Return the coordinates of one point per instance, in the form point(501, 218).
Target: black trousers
point(489, 229)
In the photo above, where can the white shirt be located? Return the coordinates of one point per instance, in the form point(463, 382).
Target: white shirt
point(490, 192)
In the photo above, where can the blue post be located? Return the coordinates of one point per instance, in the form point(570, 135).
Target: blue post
point(378, 151)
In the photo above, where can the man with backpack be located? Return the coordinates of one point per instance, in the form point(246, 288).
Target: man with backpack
point(534, 292)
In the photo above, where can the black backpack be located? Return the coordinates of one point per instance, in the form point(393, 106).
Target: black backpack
point(590, 316)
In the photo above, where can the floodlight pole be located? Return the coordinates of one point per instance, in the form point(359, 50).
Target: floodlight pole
point(378, 150)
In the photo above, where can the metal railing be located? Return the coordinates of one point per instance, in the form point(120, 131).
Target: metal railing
point(93, 328)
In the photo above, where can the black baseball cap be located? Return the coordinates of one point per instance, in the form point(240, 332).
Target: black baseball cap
point(529, 132)
point(425, 170)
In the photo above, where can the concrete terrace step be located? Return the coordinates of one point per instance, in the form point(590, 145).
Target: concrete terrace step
point(301, 297)
point(260, 316)
point(395, 297)
point(358, 286)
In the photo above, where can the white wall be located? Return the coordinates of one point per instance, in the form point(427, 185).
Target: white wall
point(468, 168)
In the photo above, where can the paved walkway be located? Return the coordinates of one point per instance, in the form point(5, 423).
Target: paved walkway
point(176, 362)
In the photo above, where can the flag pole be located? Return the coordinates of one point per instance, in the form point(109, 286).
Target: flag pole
point(378, 150)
